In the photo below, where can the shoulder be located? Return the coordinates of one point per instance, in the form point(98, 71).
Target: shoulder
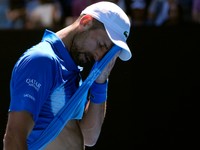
point(40, 52)
point(38, 56)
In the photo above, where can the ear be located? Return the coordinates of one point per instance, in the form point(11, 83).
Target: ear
point(86, 21)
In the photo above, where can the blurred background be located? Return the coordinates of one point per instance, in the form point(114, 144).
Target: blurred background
point(152, 99)
point(55, 14)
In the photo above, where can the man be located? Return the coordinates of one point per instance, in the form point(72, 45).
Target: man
point(46, 77)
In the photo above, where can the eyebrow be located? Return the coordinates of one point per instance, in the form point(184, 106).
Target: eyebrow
point(108, 47)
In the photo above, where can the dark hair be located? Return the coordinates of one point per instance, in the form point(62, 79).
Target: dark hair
point(97, 24)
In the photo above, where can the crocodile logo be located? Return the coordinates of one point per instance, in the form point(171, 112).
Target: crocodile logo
point(126, 34)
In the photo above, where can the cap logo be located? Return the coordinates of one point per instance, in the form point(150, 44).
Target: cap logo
point(126, 34)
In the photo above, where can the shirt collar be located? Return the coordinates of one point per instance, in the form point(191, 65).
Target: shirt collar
point(60, 49)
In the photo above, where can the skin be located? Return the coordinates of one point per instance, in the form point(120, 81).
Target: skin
point(85, 46)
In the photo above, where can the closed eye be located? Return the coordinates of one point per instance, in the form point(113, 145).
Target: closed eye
point(103, 47)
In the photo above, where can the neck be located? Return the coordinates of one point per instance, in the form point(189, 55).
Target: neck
point(66, 35)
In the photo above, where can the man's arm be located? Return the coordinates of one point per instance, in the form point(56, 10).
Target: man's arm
point(18, 128)
point(93, 118)
point(91, 123)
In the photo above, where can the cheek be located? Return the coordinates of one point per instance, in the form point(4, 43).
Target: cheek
point(85, 43)
point(90, 45)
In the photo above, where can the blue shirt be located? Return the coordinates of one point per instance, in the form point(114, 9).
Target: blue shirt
point(43, 81)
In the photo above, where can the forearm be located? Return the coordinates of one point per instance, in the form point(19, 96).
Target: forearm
point(18, 128)
point(93, 118)
point(13, 142)
point(92, 122)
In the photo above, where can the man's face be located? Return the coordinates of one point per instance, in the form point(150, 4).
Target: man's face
point(89, 46)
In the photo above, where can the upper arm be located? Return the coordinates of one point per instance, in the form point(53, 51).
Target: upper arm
point(19, 126)
point(31, 82)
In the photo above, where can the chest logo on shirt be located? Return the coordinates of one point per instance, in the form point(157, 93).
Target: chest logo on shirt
point(33, 83)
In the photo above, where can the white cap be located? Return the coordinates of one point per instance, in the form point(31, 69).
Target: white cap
point(116, 22)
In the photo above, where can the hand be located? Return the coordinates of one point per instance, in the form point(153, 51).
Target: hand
point(106, 71)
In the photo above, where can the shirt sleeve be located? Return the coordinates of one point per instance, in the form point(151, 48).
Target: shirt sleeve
point(31, 82)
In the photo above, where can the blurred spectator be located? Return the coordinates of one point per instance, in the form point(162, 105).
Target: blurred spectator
point(16, 13)
point(46, 15)
point(76, 7)
point(164, 12)
point(121, 4)
point(125, 5)
point(196, 11)
point(186, 7)
point(31, 5)
point(174, 13)
point(4, 22)
point(31, 14)
point(138, 12)
point(66, 11)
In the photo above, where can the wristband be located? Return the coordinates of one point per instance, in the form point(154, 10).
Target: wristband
point(98, 92)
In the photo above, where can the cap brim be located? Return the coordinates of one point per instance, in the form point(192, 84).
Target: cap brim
point(125, 54)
